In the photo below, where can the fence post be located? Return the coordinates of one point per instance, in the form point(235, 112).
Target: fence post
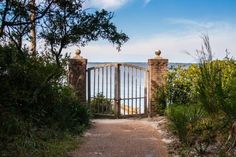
point(157, 67)
point(117, 90)
point(77, 75)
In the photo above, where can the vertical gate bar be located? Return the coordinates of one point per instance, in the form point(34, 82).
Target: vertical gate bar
point(106, 82)
point(94, 87)
point(132, 90)
point(94, 82)
point(98, 88)
point(148, 93)
point(128, 90)
point(117, 90)
point(98, 79)
point(89, 88)
point(110, 82)
point(124, 106)
point(110, 107)
point(106, 85)
point(145, 92)
point(148, 90)
point(136, 90)
point(102, 88)
point(140, 91)
point(124, 92)
point(102, 80)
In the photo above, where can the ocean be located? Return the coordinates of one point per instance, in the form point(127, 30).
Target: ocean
point(141, 64)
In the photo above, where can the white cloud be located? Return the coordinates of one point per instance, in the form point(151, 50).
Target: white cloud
point(191, 23)
point(172, 44)
point(146, 2)
point(106, 4)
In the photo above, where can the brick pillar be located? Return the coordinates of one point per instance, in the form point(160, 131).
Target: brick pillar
point(157, 73)
point(77, 75)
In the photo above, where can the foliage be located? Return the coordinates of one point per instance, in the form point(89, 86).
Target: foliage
point(230, 102)
point(181, 85)
point(60, 24)
point(215, 81)
point(36, 109)
point(193, 127)
point(68, 114)
point(61, 31)
point(100, 104)
point(213, 89)
point(179, 89)
point(25, 140)
point(160, 98)
point(210, 87)
point(217, 95)
point(202, 101)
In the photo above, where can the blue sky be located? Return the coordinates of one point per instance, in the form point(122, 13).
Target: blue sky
point(173, 26)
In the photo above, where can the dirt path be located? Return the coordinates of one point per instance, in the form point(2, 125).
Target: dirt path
point(121, 138)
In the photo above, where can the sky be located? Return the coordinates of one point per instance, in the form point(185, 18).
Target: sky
point(173, 26)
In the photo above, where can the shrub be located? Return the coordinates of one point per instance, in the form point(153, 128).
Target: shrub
point(35, 107)
point(68, 114)
point(182, 117)
point(193, 127)
point(100, 104)
point(181, 85)
point(161, 101)
point(229, 87)
point(179, 89)
point(26, 140)
point(212, 86)
point(214, 90)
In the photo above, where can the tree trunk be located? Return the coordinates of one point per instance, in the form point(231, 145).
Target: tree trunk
point(33, 27)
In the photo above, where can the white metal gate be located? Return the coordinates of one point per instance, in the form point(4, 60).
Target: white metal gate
point(118, 90)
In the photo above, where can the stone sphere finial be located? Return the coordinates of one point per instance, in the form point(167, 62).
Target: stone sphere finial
point(78, 52)
point(158, 54)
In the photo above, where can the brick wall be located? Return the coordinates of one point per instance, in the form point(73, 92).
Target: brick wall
point(157, 73)
point(77, 76)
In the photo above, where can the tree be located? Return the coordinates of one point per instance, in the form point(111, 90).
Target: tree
point(16, 18)
point(67, 23)
point(60, 22)
point(33, 27)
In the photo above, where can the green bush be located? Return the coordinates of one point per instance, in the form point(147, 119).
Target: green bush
point(35, 106)
point(194, 128)
point(230, 103)
point(100, 104)
point(210, 87)
point(181, 85)
point(161, 100)
point(229, 87)
point(179, 89)
point(71, 117)
point(214, 90)
point(26, 140)
point(182, 118)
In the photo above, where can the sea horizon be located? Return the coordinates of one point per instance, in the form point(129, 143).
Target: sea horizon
point(142, 64)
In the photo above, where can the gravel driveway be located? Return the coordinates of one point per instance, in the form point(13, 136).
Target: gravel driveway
point(121, 138)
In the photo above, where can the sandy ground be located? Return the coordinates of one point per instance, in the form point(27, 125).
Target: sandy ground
point(121, 138)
